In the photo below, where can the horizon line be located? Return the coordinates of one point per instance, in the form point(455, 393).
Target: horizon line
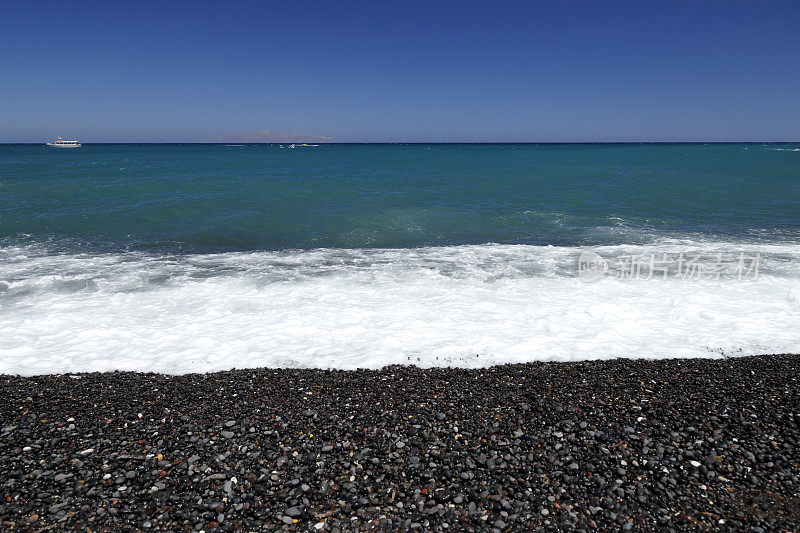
point(420, 142)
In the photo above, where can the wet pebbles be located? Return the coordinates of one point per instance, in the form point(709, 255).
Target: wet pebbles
point(627, 445)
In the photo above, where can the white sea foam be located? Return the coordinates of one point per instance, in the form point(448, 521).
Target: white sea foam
point(468, 306)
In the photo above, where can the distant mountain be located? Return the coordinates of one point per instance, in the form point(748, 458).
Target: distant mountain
point(266, 136)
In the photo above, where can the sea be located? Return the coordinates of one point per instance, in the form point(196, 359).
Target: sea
point(184, 258)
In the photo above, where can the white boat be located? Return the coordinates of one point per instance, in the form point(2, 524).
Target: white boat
point(60, 143)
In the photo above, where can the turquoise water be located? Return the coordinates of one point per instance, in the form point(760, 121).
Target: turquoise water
point(187, 258)
point(206, 198)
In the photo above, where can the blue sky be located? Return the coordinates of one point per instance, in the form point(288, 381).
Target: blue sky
point(400, 71)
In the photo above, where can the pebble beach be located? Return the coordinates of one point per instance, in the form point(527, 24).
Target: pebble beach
point(399, 267)
point(680, 444)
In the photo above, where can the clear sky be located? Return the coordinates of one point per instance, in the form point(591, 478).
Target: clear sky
point(400, 71)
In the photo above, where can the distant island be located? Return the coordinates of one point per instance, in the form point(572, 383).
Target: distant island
point(266, 136)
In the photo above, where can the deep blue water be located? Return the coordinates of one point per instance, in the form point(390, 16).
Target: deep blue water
point(187, 258)
point(208, 198)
